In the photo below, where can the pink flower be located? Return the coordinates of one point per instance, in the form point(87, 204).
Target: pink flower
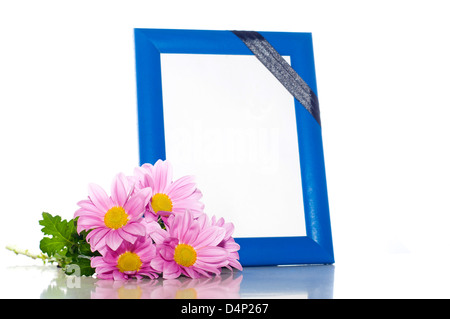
point(128, 261)
point(168, 196)
point(228, 241)
point(113, 220)
point(189, 249)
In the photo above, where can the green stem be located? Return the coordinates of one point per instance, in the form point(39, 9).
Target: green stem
point(161, 223)
point(25, 252)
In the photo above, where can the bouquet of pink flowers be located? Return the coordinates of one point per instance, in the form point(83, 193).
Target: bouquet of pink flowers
point(153, 225)
point(150, 225)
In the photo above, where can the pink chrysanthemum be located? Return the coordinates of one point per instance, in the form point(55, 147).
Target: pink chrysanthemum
point(188, 248)
point(168, 196)
point(114, 219)
point(228, 241)
point(128, 261)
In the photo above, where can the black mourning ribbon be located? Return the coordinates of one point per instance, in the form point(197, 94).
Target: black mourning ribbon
point(278, 66)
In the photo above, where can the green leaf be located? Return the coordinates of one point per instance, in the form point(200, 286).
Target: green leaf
point(51, 246)
point(68, 248)
point(84, 265)
point(85, 249)
point(61, 230)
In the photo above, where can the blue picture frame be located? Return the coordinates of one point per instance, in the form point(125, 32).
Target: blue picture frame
point(314, 248)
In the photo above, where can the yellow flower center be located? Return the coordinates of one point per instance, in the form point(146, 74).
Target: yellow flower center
point(185, 255)
point(129, 261)
point(116, 217)
point(161, 202)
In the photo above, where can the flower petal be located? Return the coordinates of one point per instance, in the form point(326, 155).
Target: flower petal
point(191, 272)
point(136, 229)
point(162, 176)
point(83, 212)
point(117, 275)
point(171, 270)
point(212, 255)
point(235, 264)
point(194, 206)
point(96, 237)
point(99, 197)
point(135, 206)
point(89, 206)
point(210, 236)
point(119, 192)
point(191, 232)
point(166, 252)
point(126, 236)
point(89, 222)
point(113, 240)
point(156, 232)
point(182, 188)
point(157, 264)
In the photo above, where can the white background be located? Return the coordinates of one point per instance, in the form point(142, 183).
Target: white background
point(68, 109)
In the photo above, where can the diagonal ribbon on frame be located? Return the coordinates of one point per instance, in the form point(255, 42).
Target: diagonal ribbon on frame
point(278, 66)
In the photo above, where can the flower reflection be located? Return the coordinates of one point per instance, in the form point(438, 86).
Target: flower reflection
point(219, 287)
point(311, 281)
point(225, 286)
point(130, 289)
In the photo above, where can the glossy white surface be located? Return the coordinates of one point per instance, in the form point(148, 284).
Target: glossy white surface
point(394, 276)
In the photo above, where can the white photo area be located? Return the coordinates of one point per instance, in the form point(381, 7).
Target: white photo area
point(229, 122)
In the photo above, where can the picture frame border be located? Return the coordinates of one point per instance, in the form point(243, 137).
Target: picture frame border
point(314, 248)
